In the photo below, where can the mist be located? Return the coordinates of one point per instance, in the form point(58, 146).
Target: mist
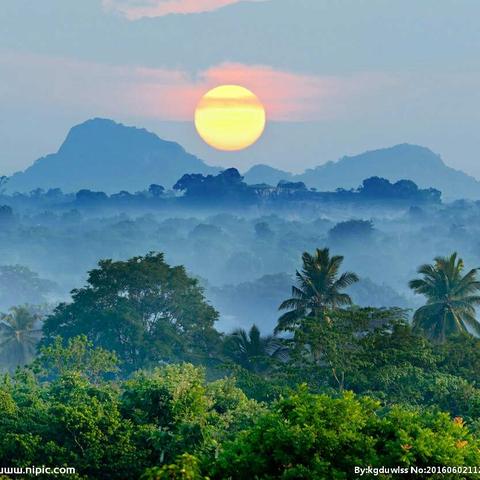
point(245, 255)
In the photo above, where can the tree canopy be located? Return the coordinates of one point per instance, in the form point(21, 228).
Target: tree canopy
point(142, 309)
point(451, 298)
point(319, 288)
point(132, 380)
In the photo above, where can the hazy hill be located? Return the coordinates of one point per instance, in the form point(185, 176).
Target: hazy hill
point(101, 154)
point(404, 161)
point(265, 174)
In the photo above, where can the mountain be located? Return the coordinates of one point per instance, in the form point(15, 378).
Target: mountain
point(403, 161)
point(265, 174)
point(101, 154)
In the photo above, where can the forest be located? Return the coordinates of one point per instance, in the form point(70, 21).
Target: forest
point(239, 240)
point(235, 246)
point(224, 334)
point(129, 378)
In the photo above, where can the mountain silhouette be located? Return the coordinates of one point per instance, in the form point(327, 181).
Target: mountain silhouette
point(101, 154)
point(404, 161)
point(266, 174)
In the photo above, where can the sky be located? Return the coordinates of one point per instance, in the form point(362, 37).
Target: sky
point(337, 77)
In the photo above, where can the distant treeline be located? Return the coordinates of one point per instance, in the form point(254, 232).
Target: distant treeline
point(229, 188)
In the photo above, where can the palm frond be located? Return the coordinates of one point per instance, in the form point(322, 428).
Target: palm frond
point(451, 298)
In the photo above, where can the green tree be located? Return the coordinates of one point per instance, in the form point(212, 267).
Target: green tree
point(186, 468)
point(451, 298)
point(333, 353)
point(319, 289)
point(78, 356)
point(19, 335)
point(409, 369)
point(307, 436)
point(68, 422)
point(143, 309)
point(395, 343)
point(252, 351)
point(175, 411)
point(116, 429)
point(460, 356)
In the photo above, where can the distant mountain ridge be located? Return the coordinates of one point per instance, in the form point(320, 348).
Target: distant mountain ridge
point(101, 154)
point(403, 161)
point(266, 174)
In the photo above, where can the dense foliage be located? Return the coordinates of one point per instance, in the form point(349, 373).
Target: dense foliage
point(142, 309)
point(112, 429)
point(309, 436)
point(68, 410)
point(132, 380)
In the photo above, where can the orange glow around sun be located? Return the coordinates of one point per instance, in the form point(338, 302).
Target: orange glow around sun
point(230, 117)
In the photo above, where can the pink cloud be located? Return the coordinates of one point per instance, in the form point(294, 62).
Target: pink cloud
point(135, 9)
point(172, 95)
point(287, 96)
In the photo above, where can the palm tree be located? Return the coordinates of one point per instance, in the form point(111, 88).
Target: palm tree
point(451, 298)
point(18, 337)
point(319, 289)
point(252, 351)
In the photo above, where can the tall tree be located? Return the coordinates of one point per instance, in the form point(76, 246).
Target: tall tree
point(143, 309)
point(19, 335)
point(319, 289)
point(251, 350)
point(451, 298)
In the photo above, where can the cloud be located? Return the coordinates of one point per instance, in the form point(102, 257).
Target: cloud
point(135, 9)
point(172, 95)
point(287, 96)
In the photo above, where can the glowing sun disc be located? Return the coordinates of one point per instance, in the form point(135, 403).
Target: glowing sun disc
point(230, 118)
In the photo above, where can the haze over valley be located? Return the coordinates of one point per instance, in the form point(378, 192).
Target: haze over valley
point(90, 203)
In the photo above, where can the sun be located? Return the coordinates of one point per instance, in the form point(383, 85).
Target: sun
point(230, 117)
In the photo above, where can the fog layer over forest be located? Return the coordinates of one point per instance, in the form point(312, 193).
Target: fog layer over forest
point(244, 252)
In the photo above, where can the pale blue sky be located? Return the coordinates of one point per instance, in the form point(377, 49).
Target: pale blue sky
point(338, 76)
